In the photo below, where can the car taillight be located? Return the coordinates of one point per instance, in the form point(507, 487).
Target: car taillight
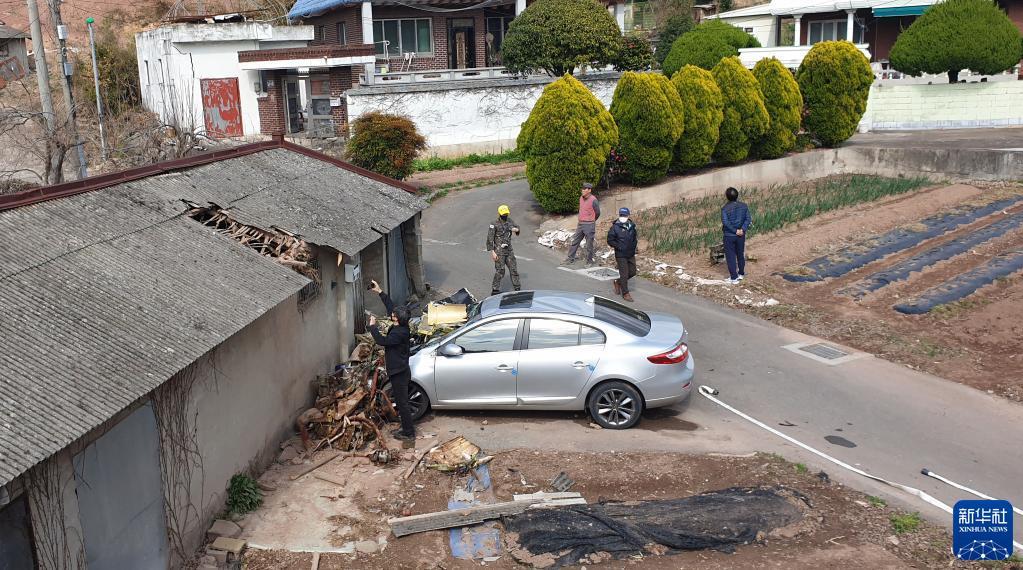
point(673, 356)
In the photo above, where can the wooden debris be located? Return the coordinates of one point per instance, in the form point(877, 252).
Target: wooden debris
point(457, 454)
point(548, 496)
point(412, 468)
point(319, 464)
point(459, 517)
point(329, 479)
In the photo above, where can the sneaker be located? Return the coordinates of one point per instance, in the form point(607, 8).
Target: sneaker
point(617, 286)
point(732, 281)
point(495, 292)
point(398, 434)
point(569, 261)
point(741, 277)
point(628, 297)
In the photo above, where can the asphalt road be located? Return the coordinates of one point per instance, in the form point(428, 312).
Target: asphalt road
point(899, 420)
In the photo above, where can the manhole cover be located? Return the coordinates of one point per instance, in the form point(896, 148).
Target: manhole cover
point(824, 351)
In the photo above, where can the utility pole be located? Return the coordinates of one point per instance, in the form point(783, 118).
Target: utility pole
point(95, 79)
point(45, 98)
point(67, 68)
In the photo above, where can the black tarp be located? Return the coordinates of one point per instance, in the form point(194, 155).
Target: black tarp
point(716, 520)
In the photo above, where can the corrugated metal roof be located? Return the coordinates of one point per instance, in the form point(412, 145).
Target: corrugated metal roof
point(107, 294)
point(7, 32)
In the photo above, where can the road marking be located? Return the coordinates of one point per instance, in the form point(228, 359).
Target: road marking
point(799, 346)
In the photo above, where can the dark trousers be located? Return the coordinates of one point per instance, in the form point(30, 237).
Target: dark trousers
point(506, 258)
point(735, 254)
point(626, 271)
point(583, 230)
point(399, 388)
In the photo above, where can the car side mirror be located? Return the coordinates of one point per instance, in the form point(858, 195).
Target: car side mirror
point(450, 349)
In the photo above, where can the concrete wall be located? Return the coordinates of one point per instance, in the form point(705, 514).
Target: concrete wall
point(936, 164)
point(174, 59)
point(467, 116)
point(944, 106)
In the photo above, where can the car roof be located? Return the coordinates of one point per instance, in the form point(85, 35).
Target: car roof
point(565, 302)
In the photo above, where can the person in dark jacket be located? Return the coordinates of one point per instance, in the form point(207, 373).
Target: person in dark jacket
point(624, 239)
point(735, 222)
point(396, 354)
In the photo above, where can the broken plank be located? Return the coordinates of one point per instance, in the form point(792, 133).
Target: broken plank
point(412, 468)
point(558, 503)
point(318, 464)
point(329, 479)
point(548, 496)
point(458, 517)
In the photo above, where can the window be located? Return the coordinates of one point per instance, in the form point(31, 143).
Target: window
point(639, 15)
point(748, 31)
point(391, 38)
point(496, 336)
point(318, 32)
point(551, 333)
point(15, 539)
point(630, 320)
point(590, 335)
point(3, 48)
point(342, 33)
point(497, 27)
point(833, 30)
point(147, 71)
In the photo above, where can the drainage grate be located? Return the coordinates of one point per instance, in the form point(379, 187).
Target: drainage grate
point(824, 351)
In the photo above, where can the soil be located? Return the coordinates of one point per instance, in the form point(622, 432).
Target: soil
point(469, 175)
point(843, 528)
point(974, 341)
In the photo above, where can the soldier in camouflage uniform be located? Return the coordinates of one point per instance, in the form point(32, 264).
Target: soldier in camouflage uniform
point(500, 247)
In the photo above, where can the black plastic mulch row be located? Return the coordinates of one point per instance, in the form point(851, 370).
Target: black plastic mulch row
point(964, 284)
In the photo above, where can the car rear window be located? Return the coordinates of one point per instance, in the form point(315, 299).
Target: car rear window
point(632, 321)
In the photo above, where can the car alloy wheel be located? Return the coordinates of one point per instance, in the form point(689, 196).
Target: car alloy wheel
point(616, 406)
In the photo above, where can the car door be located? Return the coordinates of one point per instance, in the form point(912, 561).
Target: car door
point(556, 361)
point(485, 373)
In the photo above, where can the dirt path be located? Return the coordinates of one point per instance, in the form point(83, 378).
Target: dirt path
point(468, 174)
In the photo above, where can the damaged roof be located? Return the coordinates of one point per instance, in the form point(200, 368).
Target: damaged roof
point(108, 291)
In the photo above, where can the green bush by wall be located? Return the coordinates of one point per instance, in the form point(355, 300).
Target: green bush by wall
point(560, 35)
point(834, 79)
point(784, 106)
point(650, 118)
point(703, 108)
point(955, 35)
point(565, 141)
point(386, 144)
point(705, 45)
point(745, 116)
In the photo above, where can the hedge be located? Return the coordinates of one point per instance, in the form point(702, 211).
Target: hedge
point(559, 35)
point(955, 35)
point(703, 107)
point(674, 28)
point(784, 107)
point(566, 141)
point(834, 79)
point(635, 54)
point(649, 114)
point(745, 116)
point(386, 144)
point(705, 45)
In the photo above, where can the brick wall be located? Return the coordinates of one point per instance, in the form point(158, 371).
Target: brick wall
point(945, 106)
point(350, 15)
point(272, 115)
point(340, 81)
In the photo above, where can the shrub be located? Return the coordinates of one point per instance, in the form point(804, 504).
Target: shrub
point(565, 141)
point(634, 54)
point(705, 45)
point(784, 107)
point(834, 79)
point(649, 114)
point(672, 30)
point(955, 35)
point(243, 495)
point(385, 144)
point(559, 35)
point(745, 116)
point(702, 106)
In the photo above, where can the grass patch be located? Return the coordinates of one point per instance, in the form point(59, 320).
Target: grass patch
point(694, 225)
point(436, 163)
point(902, 524)
point(800, 468)
point(435, 193)
point(243, 495)
point(876, 501)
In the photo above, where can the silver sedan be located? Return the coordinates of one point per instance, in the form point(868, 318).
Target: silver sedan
point(556, 350)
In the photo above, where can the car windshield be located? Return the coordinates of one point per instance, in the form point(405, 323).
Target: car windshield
point(630, 320)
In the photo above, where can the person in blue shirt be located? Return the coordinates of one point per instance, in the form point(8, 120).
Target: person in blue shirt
point(735, 222)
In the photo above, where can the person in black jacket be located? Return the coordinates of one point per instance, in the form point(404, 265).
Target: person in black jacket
point(624, 239)
point(396, 354)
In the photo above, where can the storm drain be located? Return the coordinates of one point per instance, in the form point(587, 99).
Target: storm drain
point(824, 353)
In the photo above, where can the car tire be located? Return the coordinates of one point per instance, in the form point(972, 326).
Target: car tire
point(615, 405)
point(418, 400)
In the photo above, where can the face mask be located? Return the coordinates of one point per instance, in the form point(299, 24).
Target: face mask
point(504, 217)
point(623, 219)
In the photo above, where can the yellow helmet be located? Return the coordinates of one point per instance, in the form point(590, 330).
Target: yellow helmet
point(503, 210)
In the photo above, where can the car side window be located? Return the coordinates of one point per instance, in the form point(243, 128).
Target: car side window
point(552, 333)
point(495, 336)
point(590, 336)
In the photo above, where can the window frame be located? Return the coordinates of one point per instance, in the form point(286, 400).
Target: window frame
point(319, 33)
point(516, 341)
point(859, 29)
point(528, 329)
point(387, 54)
point(341, 28)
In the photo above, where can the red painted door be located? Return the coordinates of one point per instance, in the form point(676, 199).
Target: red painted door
point(222, 107)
